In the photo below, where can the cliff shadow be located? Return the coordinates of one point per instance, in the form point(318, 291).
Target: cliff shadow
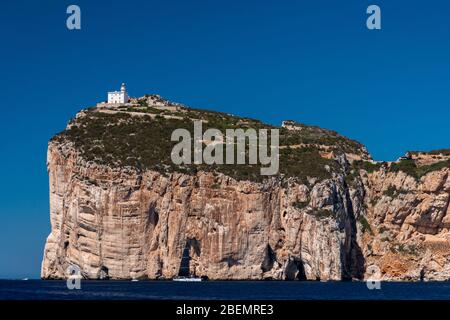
point(294, 269)
point(185, 263)
point(354, 261)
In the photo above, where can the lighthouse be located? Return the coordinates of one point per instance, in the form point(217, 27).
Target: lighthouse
point(117, 97)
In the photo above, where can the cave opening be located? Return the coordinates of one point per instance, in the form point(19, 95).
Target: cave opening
point(185, 263)
point(269, 259)
point(295, 270)
point(103, 273)
point(153, 216)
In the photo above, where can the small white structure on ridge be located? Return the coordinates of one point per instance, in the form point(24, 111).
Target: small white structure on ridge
point(118, 96)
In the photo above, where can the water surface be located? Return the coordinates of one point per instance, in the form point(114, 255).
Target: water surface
point(221, 290)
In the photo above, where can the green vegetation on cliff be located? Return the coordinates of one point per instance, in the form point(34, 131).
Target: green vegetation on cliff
point(444, 152)
point(365, 225)
point(410, 167)
point(140, 137)
point(313, 135)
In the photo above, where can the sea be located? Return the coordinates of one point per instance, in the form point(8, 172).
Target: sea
point(221, 290)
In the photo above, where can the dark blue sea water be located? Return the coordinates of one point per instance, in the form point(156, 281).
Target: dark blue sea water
point(217, 290)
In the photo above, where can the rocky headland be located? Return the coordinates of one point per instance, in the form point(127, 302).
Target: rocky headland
point(120, 209)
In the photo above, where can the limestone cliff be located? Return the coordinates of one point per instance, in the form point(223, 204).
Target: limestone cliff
point(410, 221)
point(120, 210)
point(136, 225)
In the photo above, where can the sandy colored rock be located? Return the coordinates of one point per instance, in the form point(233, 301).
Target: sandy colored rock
point(121, 223)
point(126, 224)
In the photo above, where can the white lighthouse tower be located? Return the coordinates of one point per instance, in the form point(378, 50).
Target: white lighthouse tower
point(117, 97)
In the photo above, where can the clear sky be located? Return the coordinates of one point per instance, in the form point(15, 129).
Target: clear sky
point(311, 61)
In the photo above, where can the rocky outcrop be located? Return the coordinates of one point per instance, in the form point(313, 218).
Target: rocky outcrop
point(135, 218)
point(410, 219)
point(126, 224)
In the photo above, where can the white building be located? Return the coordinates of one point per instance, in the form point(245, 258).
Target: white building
point(118, 96)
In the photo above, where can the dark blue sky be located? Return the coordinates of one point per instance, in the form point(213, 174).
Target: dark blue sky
point(311, 61)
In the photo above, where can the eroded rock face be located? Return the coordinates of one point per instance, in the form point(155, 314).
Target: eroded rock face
point(123, 224)
point(410, 225)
